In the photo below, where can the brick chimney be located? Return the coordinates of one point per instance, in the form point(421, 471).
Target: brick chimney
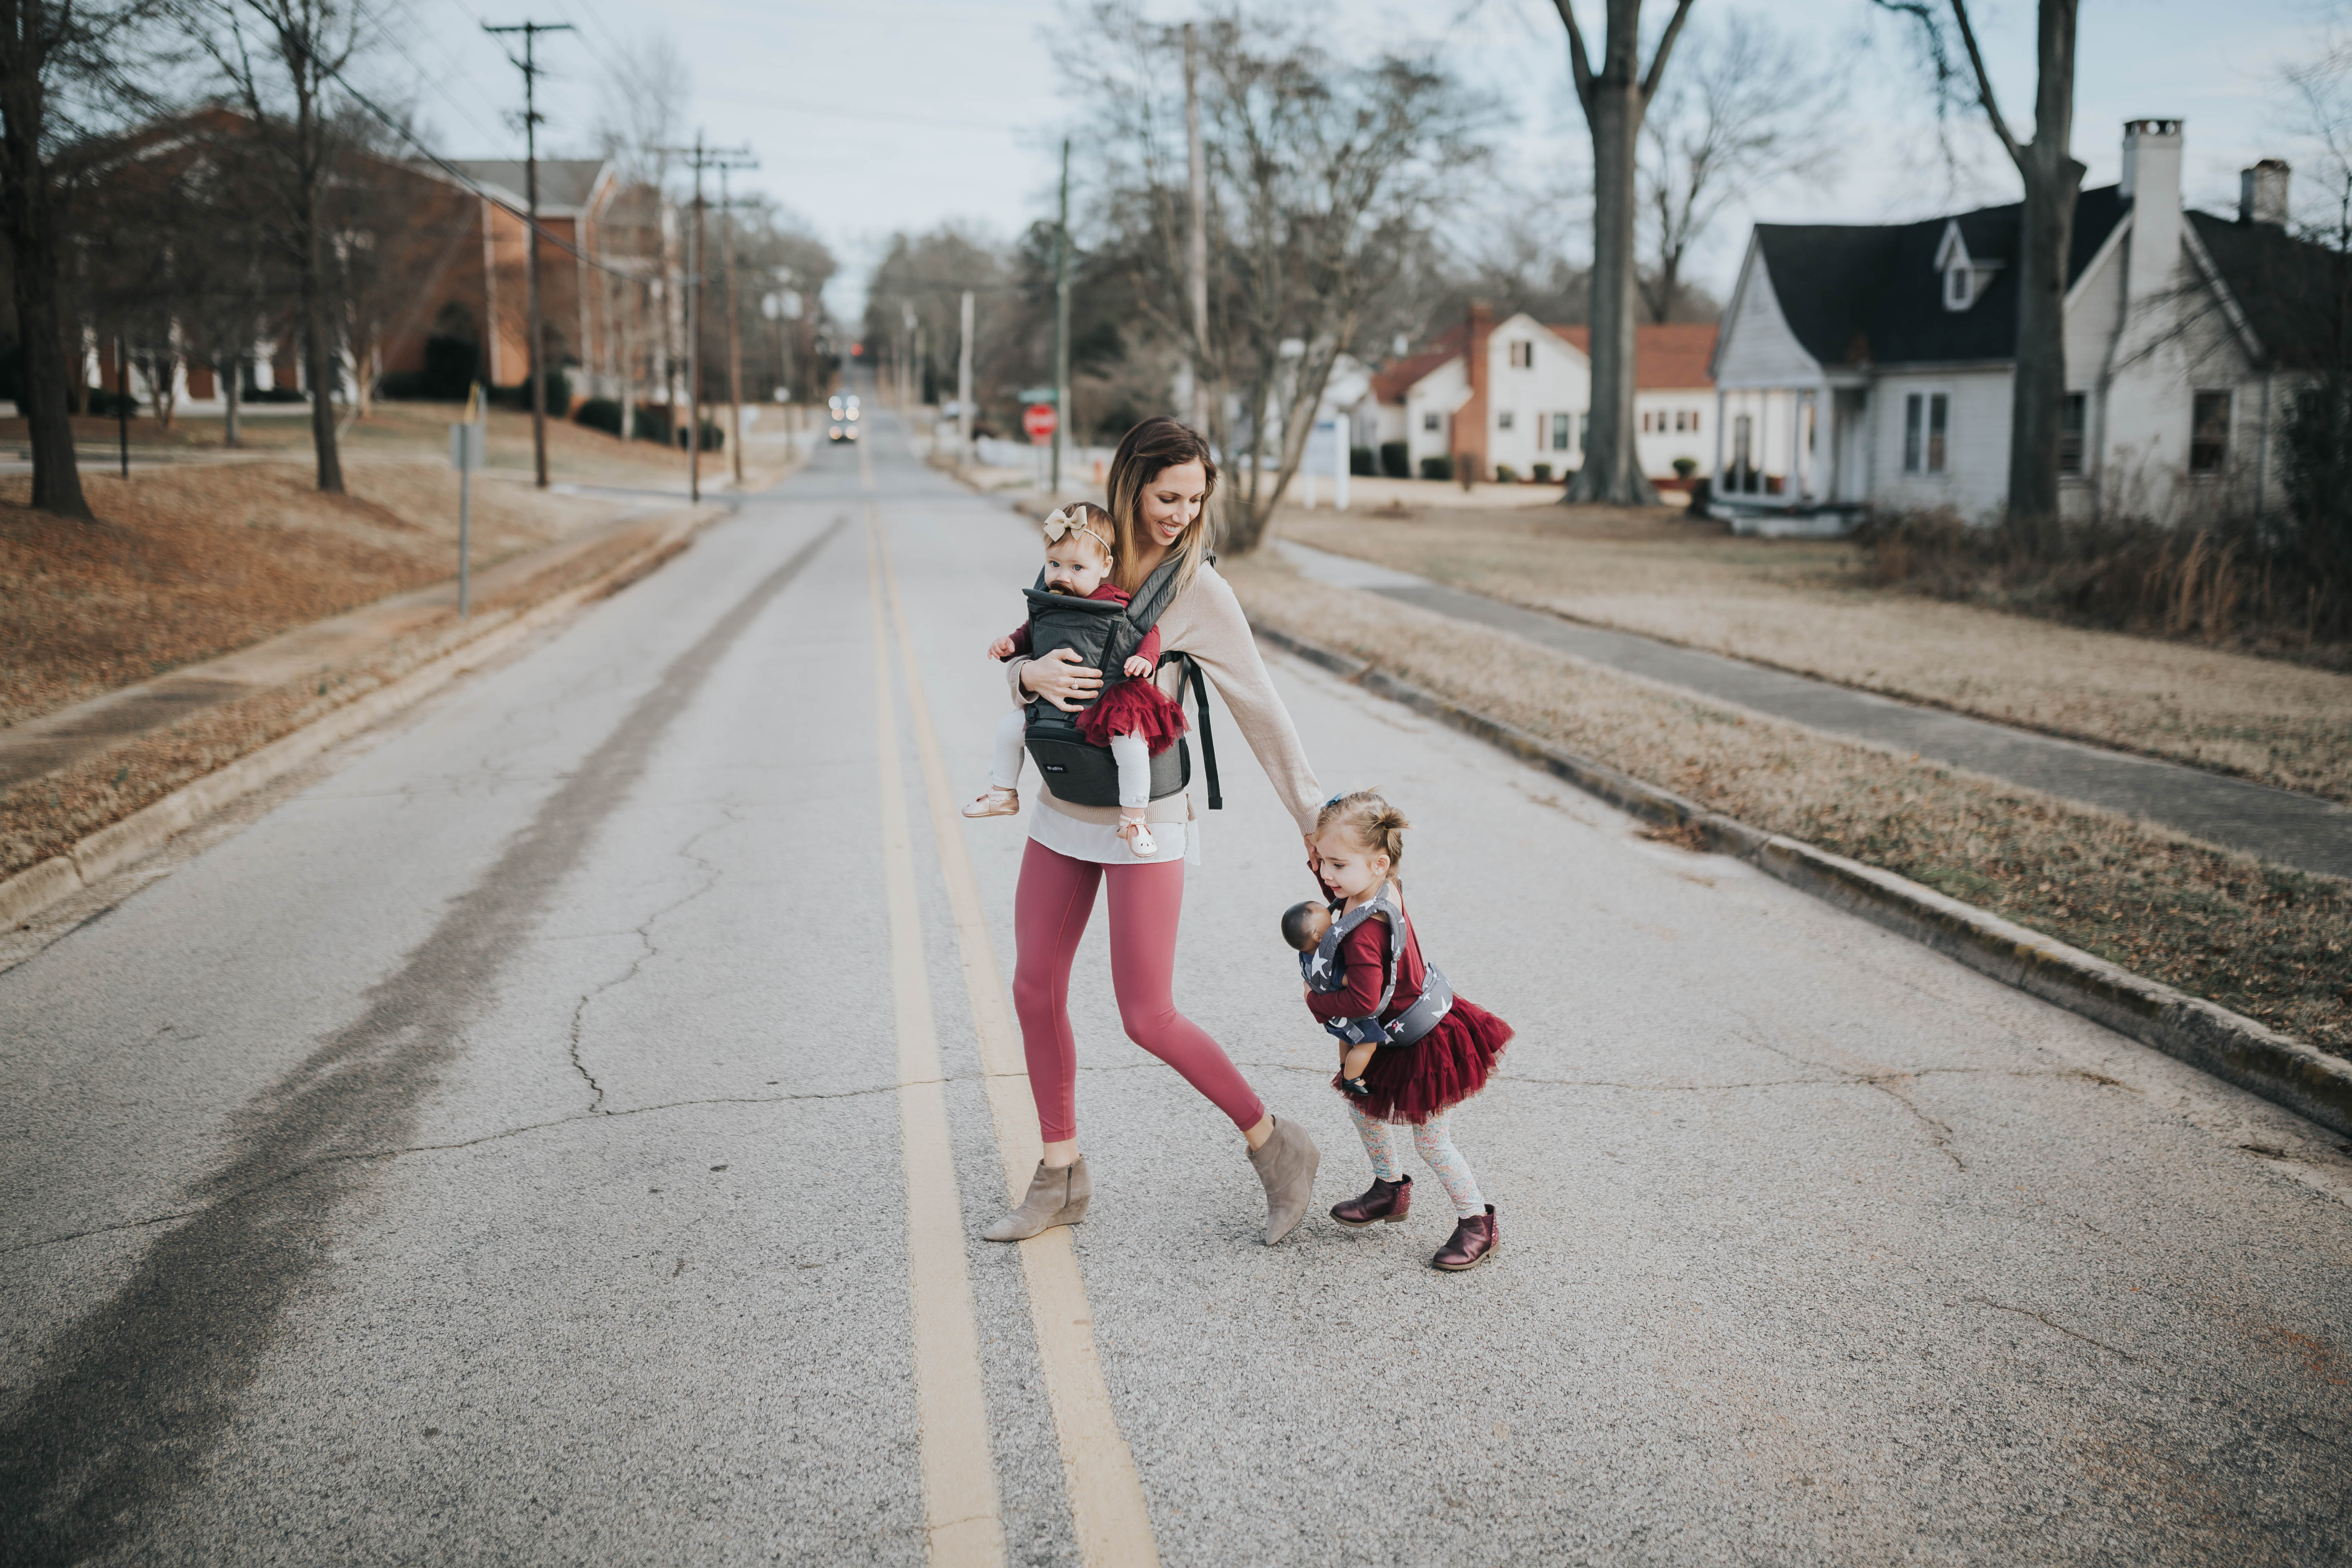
point(2261, 193)
point(1470, 423)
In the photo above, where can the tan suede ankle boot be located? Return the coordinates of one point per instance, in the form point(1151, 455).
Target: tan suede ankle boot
point(1054, 1197)
point(1286, 1163)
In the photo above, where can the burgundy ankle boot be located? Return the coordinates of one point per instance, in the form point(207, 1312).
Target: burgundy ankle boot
point(1474, 1240)
point(1383, 1203)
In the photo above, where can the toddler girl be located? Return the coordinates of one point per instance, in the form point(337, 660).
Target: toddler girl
point(1438, 1046)
point(1133, 717)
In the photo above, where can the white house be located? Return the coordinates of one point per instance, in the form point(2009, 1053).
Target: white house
point(1870, 365)
point(1522, 395)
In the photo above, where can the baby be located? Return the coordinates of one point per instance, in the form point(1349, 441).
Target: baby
point(1304, 926)
point(1133, 717)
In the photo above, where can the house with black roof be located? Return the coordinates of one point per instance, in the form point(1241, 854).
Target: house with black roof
point(1869, 366)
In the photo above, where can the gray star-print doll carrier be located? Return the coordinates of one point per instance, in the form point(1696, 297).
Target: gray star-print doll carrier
point(1325, 972)
point(1105, 637)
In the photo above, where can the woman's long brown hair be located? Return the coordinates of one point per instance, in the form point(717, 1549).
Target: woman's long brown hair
point(1147, 451)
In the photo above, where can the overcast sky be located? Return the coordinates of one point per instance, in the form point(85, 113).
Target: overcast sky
point(872, 116)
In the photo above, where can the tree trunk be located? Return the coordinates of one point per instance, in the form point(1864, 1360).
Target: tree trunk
point(2053, 182)
point(1612, 474)
point(232, 399)
point(28, 219)
point(318, 317)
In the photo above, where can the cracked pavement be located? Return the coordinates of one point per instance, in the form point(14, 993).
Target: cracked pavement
point(488, 1151)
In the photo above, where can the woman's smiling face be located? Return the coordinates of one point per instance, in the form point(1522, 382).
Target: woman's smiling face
point(1170, 502)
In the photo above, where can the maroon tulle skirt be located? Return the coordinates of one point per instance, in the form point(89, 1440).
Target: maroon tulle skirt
point(1134, 706)
point(1448, 1066)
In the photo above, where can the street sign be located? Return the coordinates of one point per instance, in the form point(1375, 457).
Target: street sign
point(1039, 420)
point(466, 456)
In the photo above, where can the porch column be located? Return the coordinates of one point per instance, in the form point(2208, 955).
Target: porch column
point(1718, 440)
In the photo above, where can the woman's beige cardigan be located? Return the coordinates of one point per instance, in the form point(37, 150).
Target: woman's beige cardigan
point(1206, 621)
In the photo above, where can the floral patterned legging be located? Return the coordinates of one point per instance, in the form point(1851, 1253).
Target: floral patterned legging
point(1436, 1146)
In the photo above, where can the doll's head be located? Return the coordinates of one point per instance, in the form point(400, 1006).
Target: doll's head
point(1358, 842)
point(1303, 924)
point(1077, 549)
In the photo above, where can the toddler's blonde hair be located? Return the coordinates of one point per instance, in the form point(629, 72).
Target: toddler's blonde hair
point(1377, 826)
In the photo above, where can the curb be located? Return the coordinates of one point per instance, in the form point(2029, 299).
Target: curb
point(148, 829)
point(2228, 1045)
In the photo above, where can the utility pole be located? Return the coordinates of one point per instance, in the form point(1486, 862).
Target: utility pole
point(734, 328)
point(906, 338)
point(704, 158)
point(963, 385)
point(1196, 235)
point(535, 355)
point(1062, 321)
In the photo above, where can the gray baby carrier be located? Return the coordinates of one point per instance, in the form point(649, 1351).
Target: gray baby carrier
point(1323, 972)
point(1103, 636)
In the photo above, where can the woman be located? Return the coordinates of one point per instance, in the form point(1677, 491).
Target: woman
point(1159, 483)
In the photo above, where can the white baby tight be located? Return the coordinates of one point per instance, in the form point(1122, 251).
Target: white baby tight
point(1436, 1146)
point(1129, 751)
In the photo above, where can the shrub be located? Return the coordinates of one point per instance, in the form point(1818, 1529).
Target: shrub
point(600, 414)
point(1396, 460)
point(1506, 474)
point(650, 424)
point(1362, 460)
point(712, 438)
point(277, 394)
point(111, 403)
point(1543, 473)
point(451, 367)
point(1438, 468)
point(404, 385)
point(559, 393)
point(1685, 467)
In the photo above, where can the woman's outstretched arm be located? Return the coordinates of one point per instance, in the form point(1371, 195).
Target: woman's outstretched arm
point(1219, 637)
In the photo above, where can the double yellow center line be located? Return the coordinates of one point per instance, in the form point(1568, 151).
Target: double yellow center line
point(959, 1496)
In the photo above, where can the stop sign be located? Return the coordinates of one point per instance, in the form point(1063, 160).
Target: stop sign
point(1039, 421)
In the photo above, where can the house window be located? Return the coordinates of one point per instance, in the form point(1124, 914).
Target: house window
point(1927, 418)
point(1431, 422)
point(2209, 432)
point(2070, 433)
point(1503, 420)
point(1584, 432)
point(1560, 432)
point(1523, 355)
point(1960, 288)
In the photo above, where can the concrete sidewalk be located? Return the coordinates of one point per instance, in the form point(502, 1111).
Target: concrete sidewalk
point(2298, 830)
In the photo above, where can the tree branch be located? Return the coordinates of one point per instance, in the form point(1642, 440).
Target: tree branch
point(1984, 87)
point(1578, 63)
point(1665, 47)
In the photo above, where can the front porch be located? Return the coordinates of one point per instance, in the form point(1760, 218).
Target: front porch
point(1792, 462)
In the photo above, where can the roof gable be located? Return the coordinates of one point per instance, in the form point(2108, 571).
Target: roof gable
point(1873, 294)
point(2287, 288)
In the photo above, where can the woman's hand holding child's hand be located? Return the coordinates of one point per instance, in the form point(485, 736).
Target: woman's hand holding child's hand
point(1002, 649)
point(1138, 668)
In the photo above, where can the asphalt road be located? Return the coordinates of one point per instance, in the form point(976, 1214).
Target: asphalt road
point(500, 1150)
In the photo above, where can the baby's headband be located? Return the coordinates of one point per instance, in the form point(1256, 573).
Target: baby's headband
point(1068, 520)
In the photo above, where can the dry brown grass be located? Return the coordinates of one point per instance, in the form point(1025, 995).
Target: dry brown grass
point(1809, 607)
point(2269, 942)
point(184, 563)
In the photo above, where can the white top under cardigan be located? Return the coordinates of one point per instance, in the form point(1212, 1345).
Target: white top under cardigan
point(1205, 621)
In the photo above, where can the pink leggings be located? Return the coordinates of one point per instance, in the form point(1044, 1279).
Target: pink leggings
point(1050, 909)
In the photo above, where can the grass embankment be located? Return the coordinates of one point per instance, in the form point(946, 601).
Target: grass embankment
point(1813, 607)
point(2269, 942)
point(191, 560)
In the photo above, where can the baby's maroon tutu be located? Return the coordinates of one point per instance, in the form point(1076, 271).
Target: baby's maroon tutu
point(1448, 1066)
point(1134, 706)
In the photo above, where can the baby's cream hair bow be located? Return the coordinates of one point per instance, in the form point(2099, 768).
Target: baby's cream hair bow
point(1067, 520)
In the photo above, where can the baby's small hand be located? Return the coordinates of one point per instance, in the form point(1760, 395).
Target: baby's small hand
point(1138, 668)
point(1001, 648)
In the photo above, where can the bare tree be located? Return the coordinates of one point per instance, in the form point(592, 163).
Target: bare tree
point(280, 59)
point(1616, 99)
point(642, 116)
point(48, 47)
point(2053, 181)
point(1746, 110)
point(1324, 175)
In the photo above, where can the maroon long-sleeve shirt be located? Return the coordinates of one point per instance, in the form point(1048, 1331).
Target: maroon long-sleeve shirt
point(1363, 954)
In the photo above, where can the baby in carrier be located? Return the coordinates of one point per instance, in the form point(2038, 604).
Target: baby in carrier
point(1133, 717)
